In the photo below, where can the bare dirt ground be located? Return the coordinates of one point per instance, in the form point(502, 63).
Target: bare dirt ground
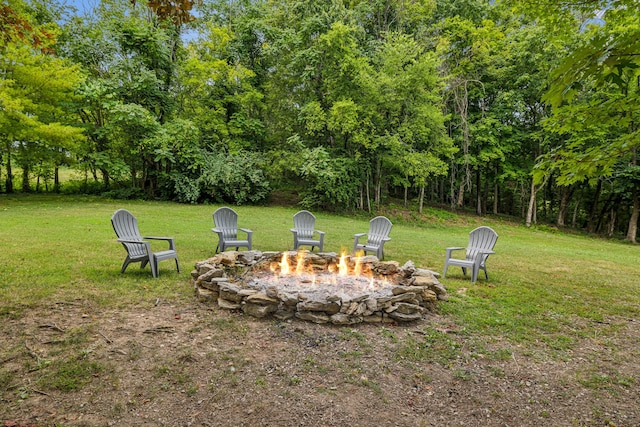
point(197, 365)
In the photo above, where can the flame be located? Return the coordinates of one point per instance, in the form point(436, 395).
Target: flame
point(337, 272)
point(343, 268)
point(300, 264)
point(357, 269)
point(284, 265)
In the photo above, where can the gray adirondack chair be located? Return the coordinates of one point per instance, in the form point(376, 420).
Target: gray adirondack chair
point(481, 243)
point(378, 235)
point(304, 231)
point(138, 248)
point(226, 227)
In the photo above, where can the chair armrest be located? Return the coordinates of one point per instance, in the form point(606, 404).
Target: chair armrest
point(456, 248)
point(480, 254)
point(157, 238)
point(246, 230)
point(131, 241)
point(146, 245)
point(321, 233)
point(386, 239)
point(356, 237)
point(170, 240)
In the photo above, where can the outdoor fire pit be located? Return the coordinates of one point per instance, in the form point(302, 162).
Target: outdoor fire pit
point(321, 288)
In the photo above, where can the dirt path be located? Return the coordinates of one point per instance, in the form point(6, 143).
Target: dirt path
point(193, 365)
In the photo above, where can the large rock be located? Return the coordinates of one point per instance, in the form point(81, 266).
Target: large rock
point(401, 317)
point(259, 310)
point(344, 319)
point(213, 283)
point(230, 292)
point(386, 268)
point(228, 305)
point(318, 306)
point(313, 316)
point(206, 295)
point(262, 299)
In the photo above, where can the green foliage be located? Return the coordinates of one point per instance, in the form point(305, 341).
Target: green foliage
point(234, 178)
point(429, 99)
point(329, 181)
point(36, 87)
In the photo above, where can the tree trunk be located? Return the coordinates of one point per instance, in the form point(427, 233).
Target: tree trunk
point(421, 199)
point(532, 214)
point(532, 205)
point(632, 230)
point(106, 180)
point(25, 179)
point(378, 184)
point(563, 206)
point(478, 194)
point(56, 179)
point(460, 201)
point(594, 207)
point(368, 195)
point(574, 219)
point(611, 225)
point(9, 180)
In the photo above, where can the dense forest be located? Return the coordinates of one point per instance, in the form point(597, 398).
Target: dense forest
point(523, 108)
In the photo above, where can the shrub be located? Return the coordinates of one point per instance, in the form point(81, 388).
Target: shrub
point(234, 178)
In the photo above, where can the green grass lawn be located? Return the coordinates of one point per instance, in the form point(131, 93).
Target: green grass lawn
point(545, 288)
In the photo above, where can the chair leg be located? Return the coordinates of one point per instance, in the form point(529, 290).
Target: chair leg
point(474, 273)
point(126, 263)
point(177, 265)
point(154, 267)
point(444, 273)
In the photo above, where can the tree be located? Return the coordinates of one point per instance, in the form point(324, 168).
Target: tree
point(599, 82)
point(128, 101)
point(35, 90)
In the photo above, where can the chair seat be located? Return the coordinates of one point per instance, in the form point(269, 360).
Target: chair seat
point(308, 242)
point(367, 248)
point(165, 255)
point(460, 263)
point(236, 243)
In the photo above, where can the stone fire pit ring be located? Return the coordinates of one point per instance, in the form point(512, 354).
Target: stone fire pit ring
point(243, 281)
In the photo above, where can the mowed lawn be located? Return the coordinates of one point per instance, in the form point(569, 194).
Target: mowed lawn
point(546, 288)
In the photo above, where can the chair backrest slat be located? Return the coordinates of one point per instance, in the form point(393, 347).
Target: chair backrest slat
point(304, 223)
point(126, 227)
point(226, 219)
point(481, 239)
point(379, 229)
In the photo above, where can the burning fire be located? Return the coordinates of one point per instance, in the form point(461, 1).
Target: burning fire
point(342, 273)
